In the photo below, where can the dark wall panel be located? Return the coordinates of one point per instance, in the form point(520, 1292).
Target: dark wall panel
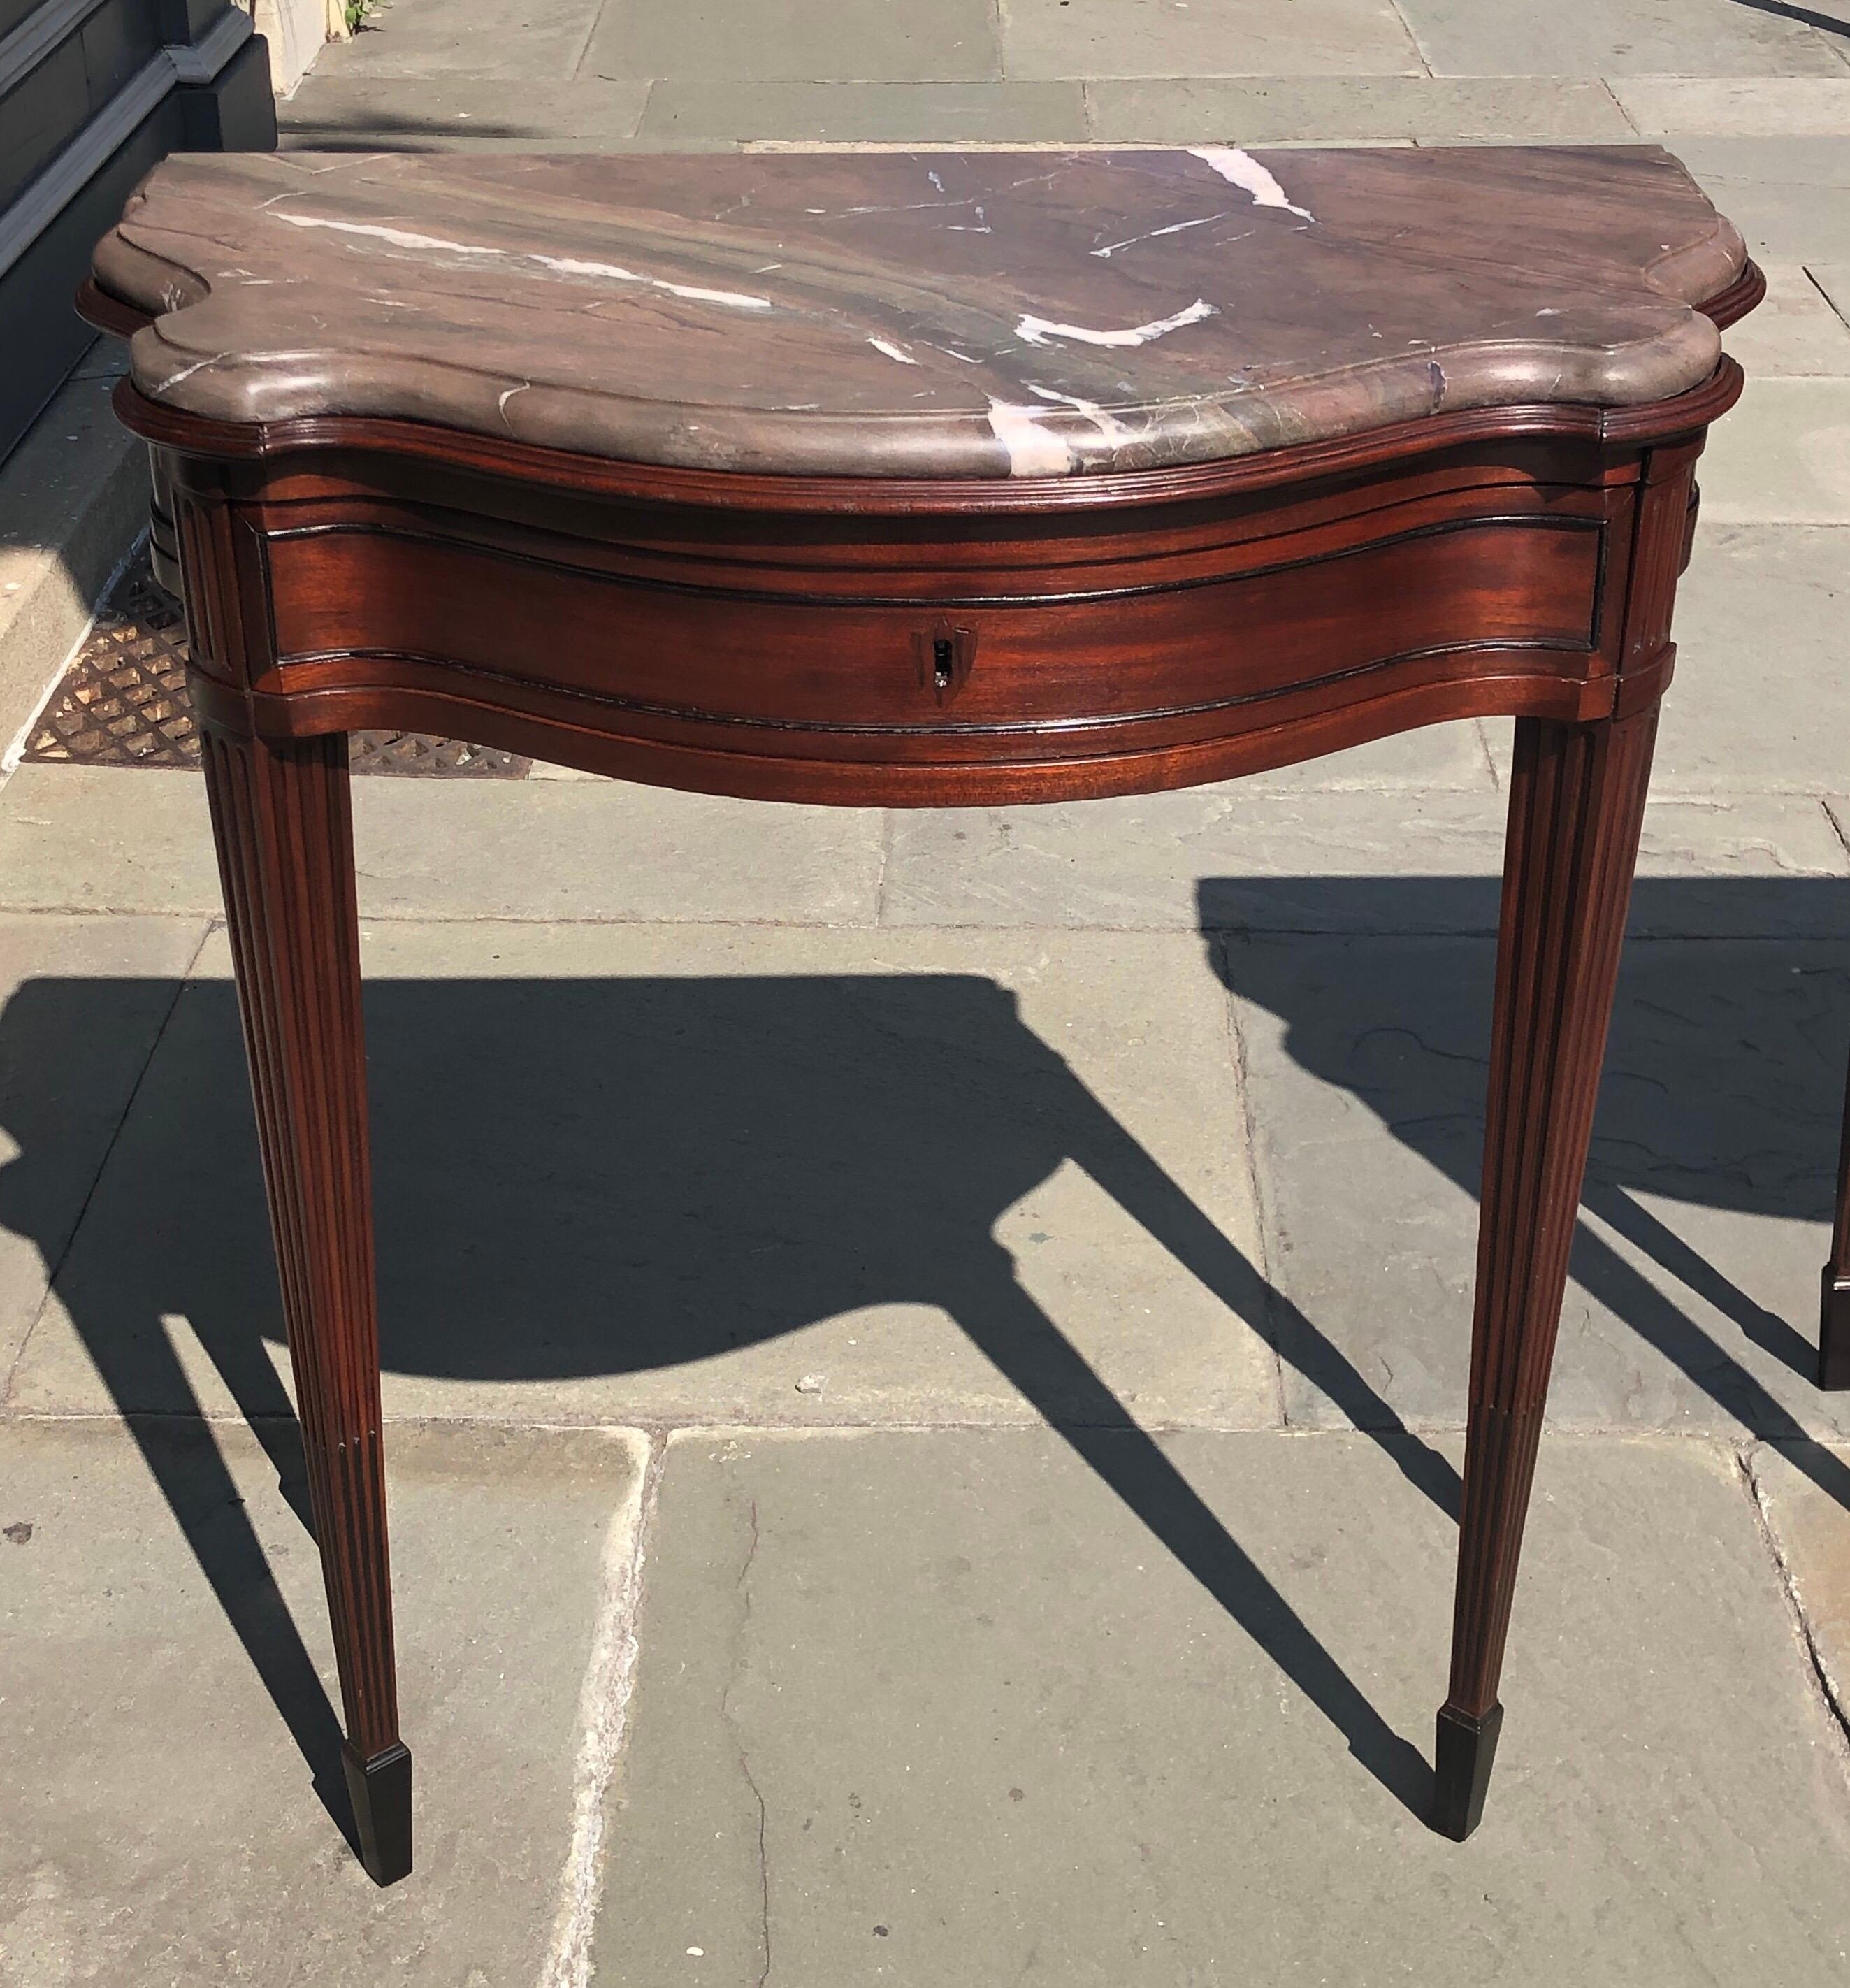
point(237, 113)
point(186, 20)
point(12, 12)
point(37, 292)
point(119, 38)
point(101, 108)
point(38, 115)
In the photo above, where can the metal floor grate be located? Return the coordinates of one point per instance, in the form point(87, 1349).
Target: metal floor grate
point(123, 703)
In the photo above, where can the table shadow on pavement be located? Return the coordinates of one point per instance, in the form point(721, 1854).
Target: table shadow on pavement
point(702, 1164)
point(1790, 10)
point(373, 130)
point(1723, 1086)
point(726, 1160)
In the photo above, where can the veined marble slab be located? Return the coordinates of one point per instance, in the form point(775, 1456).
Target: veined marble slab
point(934, 314)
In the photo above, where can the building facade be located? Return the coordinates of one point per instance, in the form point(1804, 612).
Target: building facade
point(93, 94)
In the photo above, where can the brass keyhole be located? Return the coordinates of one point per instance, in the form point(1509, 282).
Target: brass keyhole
point(944, 654)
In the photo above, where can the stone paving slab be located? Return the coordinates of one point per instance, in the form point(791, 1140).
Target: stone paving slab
point(977, 1707)
point(1761, 699)
point(108, 359)
point(127, 839)
point(934, 113)
point(333, 111)
point(1451, 757)
point(1270, 111)
point(65, 1080)
point(1750, 863)
point(1693, 1302)
point(1796, 106)
point(778, 41)
point(168, 1679)
point(1782, 457)
point(640, 1173)
point(1654, 38)
point(1157, 37)
point(528, 41)
point(1794, 332)
point(1790, 197)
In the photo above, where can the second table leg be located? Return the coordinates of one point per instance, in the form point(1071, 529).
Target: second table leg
point(1576, 805)
point(282, 820)
point(1834, 1311)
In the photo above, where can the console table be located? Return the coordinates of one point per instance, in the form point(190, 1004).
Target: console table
point(918, 480)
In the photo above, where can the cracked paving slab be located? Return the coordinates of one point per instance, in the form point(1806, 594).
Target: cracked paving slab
point(1803, 1490)
point(1013, 1709)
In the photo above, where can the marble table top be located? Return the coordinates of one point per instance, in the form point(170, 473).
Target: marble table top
point(932, 314)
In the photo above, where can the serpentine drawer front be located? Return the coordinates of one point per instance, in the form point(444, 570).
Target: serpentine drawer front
point(1173, 633)
point(922, 479)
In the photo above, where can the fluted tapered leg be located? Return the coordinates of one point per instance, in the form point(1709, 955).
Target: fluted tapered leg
point(1834, 1312)
point(1576, 803)
point(280, 818)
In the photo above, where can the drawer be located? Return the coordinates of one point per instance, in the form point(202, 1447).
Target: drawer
point(778, 656)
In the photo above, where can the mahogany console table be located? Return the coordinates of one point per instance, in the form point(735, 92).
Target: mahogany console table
point(911, 481)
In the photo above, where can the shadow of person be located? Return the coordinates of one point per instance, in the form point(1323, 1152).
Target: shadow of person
point(1722, 1085)
point(578, 1177)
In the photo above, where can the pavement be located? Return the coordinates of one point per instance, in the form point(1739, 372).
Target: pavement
point(926, 1353)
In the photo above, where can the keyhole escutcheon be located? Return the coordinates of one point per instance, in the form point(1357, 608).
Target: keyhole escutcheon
point(946, 655)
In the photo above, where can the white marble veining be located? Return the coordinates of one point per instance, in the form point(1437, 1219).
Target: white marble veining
point(1038, 330)
point(1242, 170)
